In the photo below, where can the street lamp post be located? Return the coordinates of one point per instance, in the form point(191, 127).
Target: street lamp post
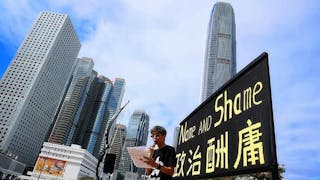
point(114, 117)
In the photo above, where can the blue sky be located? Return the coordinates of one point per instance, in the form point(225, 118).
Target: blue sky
point(158, 47)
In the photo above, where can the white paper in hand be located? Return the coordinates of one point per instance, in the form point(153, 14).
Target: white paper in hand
point(136, 154)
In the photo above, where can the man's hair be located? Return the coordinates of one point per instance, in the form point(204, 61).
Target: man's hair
point(159, 129)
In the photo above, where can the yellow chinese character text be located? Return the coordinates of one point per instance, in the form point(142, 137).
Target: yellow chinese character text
point(249, 142)
point(217, 156)
point(180, 163)
point(195, 162)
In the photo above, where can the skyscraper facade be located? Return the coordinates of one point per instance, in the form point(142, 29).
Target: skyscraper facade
point(33, 85)
point(81, 119)
point(137, 135)
point(118, 142)
point(68, 117)
point(113, 105)
point(220, 57)
point(175, 137)
point(98, 118)
point(67, 85)
point(84, 117)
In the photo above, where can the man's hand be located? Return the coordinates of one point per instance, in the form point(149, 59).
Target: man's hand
point(150, 161)
point(150, 151)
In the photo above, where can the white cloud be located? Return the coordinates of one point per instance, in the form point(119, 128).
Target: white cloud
point(158, 47)
point(15, 20)
point(156, 61)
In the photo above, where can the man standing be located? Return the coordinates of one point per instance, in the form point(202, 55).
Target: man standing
point(163, 158)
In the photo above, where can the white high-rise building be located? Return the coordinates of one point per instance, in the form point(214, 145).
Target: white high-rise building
point(33, 85)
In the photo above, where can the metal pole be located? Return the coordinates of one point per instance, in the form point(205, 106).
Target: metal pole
point(114, 117)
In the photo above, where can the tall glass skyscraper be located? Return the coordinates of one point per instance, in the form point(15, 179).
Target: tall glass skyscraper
point(98, 119)
point(68, 117)
point(33, 85)
point(67, 85)
point(81, 121)
point(137, 135)
point(85, 116)
point(113, 105)
point(220, 57)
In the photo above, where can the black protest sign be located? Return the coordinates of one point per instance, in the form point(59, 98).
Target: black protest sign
point(232, 132)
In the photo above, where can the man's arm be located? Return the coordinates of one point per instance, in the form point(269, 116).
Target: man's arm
point(151, 162)
point(150, 152)
point(148, 171)
point(165, 169)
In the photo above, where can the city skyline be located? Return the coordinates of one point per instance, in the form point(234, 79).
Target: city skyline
point(161, 54)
